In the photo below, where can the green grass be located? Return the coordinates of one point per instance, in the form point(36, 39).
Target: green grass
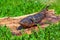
point(18, 7)
point(12, 8)
point(51, 32)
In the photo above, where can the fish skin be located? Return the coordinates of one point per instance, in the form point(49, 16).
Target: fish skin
point(34, 19)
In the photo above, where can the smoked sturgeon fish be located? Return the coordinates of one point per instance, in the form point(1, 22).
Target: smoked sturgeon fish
point(35, 19)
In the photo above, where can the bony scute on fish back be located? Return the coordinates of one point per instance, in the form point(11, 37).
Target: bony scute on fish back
point(34, 19)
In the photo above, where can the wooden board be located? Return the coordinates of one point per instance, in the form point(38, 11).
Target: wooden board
point(13, 24)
